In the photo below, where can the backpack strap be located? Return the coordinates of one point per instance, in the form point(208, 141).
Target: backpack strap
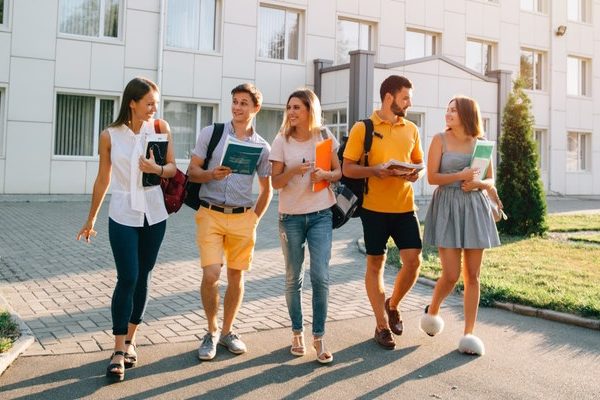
point(217, 133)
point(157, 125)
point(369, 130)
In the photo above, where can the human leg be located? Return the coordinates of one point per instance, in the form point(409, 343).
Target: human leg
point(473, 258)
point(319, 237)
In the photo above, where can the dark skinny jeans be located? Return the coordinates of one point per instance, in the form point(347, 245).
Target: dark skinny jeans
point(135, 250)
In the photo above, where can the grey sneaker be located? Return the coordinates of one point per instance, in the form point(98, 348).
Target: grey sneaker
point(233, 343)
point(208, 347)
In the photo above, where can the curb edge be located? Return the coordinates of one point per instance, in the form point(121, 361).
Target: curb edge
point(21, 344)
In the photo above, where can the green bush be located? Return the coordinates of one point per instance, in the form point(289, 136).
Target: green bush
point(9, 331)
point(519, 183)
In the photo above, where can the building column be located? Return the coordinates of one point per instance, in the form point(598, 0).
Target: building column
point(360, 101)
point(319, 64)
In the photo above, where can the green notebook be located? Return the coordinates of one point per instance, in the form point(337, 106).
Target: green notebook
point(482, 155)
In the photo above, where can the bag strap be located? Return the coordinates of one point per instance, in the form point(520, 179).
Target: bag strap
point(369, 130)
point(157, 125)
point(217, 133)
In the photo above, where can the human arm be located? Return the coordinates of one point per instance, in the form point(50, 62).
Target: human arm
point(281, 176)
point(149, 165)
point(486, 184)
point(334, 175)
point(101, 185)
point(434, 160)
point(200, 175)
point(264, 196)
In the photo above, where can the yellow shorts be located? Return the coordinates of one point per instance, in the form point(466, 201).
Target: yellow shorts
point(230, 236)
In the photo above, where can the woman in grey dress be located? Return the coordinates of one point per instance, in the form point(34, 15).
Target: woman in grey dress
point(459, 220)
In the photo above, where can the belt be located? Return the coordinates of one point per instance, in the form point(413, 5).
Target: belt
point(224, 210)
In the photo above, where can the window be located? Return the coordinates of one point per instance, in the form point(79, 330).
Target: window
point(532, 69)
point(420, 44)
point(479, 56)
point(3, 12)
point(578, 152)
point(352, 35)
point(95, 18)
point(79, 121)
point(279, 34)
point(533, 5)
point(268, 122)
point(191, 24)
point(541, 141)
point(486, 127)
point(2, 107)
point(186, 120)
point(578, 76)
point(579, 10)
point(337, 122)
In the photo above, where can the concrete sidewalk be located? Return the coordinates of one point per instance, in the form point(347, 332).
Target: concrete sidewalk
point(62, 290)
point(526, 358)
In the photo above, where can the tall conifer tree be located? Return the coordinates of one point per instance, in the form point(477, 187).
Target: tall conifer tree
point(519, 183)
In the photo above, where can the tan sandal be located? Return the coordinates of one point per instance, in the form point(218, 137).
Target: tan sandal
point(298, 349)
point(324, 357)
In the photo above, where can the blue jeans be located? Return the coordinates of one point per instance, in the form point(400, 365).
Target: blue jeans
point(294, 232)
point(135, 250)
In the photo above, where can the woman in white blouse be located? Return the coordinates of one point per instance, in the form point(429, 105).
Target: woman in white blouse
point(137, 214)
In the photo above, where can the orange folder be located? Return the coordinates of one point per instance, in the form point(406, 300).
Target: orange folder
point(323, 161)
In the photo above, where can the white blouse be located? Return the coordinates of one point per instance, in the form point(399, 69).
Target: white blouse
point(130, 201)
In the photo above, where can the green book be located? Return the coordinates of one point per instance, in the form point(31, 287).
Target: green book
point(482, 155)
point(242, 157)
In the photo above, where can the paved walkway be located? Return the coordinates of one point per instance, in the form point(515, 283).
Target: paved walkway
point(62, 288)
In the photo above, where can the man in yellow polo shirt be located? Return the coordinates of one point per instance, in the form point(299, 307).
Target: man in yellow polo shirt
point(388, 206)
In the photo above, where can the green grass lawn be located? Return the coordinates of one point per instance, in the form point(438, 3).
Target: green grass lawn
point(560, 274)
point(9, 331)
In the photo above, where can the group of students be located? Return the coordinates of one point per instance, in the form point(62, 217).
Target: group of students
point(459, 220)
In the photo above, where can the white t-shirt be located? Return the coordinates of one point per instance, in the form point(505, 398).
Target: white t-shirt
point(297, 196)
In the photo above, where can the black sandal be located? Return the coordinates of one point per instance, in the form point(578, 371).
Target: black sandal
point(116, 371)
point(130, 359)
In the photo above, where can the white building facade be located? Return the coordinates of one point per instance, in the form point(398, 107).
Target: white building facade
point(64, 63)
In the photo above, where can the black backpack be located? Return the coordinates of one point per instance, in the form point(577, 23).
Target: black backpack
point(192, 188)
point(358, 186)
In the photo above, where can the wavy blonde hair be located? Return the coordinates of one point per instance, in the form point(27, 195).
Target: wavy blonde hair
point(312, 104)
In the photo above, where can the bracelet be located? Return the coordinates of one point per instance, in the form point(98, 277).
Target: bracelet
point(161, 170)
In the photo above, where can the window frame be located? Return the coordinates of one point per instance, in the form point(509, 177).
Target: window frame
point(584, 156)
point(100, 37)
point(268, 108)
point(301, 33)
point(491, 54)
point(584, 11)
point(217, 38)
point(97, 98)
point(199, 124)
point(5, 24)
point(339, 129)
point(3, 120)
point(542, 60)
point(361, 22)
point(539, 7)
point(584, 76)
point(435, 45)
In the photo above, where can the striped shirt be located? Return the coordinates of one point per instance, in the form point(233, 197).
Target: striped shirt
point(236, 189)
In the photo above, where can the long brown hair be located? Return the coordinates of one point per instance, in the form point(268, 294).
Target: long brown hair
point(469, 114)
point(135, 90)
point(312, 104)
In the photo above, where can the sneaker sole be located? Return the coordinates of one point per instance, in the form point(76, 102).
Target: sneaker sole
point(206, 358)
point(233, 351)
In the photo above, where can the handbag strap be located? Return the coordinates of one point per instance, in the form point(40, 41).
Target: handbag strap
point(157, 125)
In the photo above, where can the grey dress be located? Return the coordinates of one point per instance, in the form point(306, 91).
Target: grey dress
point(458, 219)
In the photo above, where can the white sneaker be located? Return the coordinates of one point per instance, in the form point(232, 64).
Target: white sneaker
point(233, 343)
point(208, 347)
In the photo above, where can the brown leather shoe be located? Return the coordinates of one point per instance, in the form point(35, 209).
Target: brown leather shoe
point(394, 319)
point(385, 339)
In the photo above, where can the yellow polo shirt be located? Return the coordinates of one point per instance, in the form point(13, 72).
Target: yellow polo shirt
point(399, 141)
